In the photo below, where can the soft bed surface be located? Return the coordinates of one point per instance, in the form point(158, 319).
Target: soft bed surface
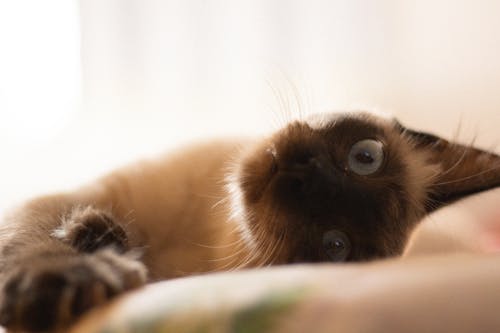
point(450, 293)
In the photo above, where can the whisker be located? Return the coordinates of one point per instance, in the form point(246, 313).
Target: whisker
point(206, 246)
point(457, 163)
point(281, 104)
point(297, 97)
point(469, 177)
point(220, 202)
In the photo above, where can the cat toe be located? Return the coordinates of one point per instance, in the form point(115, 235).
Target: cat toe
point(89, 229)
point(51, 296)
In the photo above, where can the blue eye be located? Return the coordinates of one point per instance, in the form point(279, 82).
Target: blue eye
point(336, 245)
point(366, 157)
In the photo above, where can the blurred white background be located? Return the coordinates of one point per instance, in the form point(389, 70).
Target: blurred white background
point(86, 86)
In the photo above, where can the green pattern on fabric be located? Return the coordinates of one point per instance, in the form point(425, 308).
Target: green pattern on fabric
point(264, 315)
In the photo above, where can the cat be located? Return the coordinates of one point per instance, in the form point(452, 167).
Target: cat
point(336, 187)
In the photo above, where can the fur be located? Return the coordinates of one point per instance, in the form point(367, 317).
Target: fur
point(226, 205)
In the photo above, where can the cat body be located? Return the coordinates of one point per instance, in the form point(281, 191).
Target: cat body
point(332, 187)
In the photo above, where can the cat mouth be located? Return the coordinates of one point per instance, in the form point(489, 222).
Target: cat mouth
point(273, 155)
point(272, 168)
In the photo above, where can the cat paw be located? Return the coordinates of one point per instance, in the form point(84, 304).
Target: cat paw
point(50, 292)
point(88, 229)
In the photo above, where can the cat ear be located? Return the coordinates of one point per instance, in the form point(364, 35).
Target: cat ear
point(463, 169)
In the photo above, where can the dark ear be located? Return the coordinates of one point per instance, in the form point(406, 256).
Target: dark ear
point(463, 169)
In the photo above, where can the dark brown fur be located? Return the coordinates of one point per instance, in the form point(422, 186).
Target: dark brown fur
point(300, 202)
point(64, 254)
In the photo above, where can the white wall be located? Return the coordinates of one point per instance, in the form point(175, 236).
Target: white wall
point(155, 73)
point(40, 91)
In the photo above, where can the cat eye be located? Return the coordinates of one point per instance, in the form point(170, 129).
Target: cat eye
point(336, 245)
point(366, 157)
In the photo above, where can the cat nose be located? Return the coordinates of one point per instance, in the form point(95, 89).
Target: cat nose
point(310, 172)
point(305, 160)
point(309, 162)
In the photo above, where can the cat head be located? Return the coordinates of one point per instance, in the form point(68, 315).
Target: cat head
point(348, 187)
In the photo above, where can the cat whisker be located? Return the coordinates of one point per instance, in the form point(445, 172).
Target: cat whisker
point(478, 174)
point(220, 202)
point(456, 164)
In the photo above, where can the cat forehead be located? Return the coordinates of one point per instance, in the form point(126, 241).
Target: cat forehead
point(328, 119)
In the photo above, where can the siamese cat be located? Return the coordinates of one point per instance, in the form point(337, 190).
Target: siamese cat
point(338, 187)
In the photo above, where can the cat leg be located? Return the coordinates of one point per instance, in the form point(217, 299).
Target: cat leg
point(81, 264)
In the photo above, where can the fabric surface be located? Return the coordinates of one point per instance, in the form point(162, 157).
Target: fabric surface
point(450, 293)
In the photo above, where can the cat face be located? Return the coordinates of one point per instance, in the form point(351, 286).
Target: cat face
point(347, 187)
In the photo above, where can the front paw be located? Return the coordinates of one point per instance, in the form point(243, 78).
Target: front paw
point(52, 291)
point(88, 229)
